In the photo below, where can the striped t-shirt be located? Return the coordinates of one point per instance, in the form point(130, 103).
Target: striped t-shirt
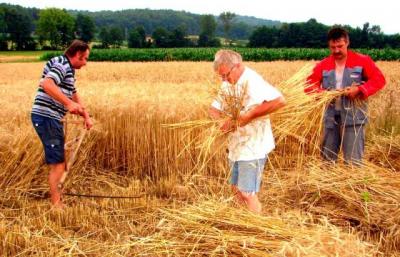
point(58, 69)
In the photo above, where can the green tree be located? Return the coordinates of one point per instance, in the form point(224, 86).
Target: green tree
point(116, 35)
point(304, 34)
point(137, 38)
point(85, 27)
point(169, 19)
point(290, 35)
point(142, 33)
point(365, 35)
point(377, 38)
point(314, 34)
point(241, 30)
point(355, 37)
point(393, 40)
point(105, 37)
point(178, 37)
point(161, 37)
point(134, 39)
point(18, 28)
point(3, 29)
point(227, 19)
point(56, 26)
point(264, 37)
point(208, 26)
point(3, 25)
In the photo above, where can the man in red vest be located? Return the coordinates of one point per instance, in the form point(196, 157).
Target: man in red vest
point(344, 120)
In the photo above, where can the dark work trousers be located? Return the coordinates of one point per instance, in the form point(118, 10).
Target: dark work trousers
point(349, 138)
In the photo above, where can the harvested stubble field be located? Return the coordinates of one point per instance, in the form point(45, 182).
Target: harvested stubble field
point(182, 205)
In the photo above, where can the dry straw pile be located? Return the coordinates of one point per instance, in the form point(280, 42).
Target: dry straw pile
point(366, 198)
point(216, 228)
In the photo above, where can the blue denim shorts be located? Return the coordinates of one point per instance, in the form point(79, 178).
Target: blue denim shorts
point(51, 133)
point(247, 175)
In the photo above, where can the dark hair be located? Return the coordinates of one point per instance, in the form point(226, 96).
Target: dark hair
point(336, 33)
point(76, 46)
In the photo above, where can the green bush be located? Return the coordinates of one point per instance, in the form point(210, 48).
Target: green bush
point(207, 54)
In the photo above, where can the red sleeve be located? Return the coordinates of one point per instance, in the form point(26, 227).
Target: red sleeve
point(374, 78)
point(314, 80)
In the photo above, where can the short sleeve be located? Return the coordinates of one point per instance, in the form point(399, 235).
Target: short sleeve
point(56, 72)
point(260, 91)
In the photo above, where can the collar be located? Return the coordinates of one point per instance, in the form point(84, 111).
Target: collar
point(69, 62)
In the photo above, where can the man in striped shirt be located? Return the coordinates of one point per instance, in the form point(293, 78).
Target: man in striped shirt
point(55, 97)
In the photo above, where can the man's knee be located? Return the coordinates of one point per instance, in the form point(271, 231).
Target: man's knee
point(58, 168)
point(248, 196)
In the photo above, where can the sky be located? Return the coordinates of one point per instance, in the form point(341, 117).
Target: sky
point(355, 13)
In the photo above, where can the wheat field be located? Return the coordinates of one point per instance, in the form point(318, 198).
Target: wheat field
point(177, 205)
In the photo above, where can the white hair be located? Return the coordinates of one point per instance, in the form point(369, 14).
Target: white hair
point(228, 58)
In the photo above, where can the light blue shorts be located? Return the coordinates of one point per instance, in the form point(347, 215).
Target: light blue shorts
point(247, 175)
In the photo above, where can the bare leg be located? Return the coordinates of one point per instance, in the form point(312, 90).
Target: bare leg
point(252, 202)
point(238, 195)
point(56, 172)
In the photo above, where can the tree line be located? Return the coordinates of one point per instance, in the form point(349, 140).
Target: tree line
point(31, 28)
point(312, 34)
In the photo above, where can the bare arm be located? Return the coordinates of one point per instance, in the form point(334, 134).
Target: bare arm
point(76, 98)
point(54, 91)
point(214, 113)
point(261, 110)
point(88, 121)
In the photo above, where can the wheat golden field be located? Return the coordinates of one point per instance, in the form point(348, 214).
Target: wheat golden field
point(152, 154)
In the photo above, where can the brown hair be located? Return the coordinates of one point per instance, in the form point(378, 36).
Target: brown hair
point(336, 33)
point(76, 46)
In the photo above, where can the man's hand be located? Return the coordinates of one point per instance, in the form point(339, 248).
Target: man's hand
point(228, 126)
point(88, 123)
point(353, 91)
point(74, 108)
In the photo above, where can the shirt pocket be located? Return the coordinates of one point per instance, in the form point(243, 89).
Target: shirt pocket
point(356, 75)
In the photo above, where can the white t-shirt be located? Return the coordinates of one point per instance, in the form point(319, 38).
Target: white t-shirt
point(339, 81)
point(255, 140)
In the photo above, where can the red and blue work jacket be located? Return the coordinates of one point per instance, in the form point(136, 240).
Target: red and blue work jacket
point(359, 69)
